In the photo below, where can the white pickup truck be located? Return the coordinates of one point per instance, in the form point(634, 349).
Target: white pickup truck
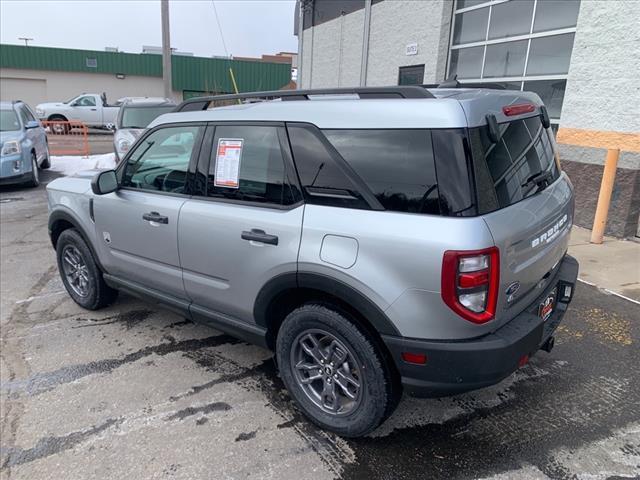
point(90, 108)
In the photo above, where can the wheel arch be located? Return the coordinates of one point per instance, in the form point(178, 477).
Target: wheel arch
point(61, 220)
point(286, 292)
point(57, 116)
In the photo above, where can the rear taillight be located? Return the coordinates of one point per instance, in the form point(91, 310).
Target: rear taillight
point(470, 283)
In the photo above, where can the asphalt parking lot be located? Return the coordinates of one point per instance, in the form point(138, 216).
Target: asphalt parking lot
point(137, 392)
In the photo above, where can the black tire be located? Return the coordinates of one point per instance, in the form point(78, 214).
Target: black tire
point(98, 293)
point(59, 129)
point(46, 163)
point(34, 179)
point(377, 394)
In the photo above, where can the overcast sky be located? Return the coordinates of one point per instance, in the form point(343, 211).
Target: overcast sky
point(250, 27)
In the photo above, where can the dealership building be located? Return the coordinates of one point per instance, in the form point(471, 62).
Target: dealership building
point(581, 57)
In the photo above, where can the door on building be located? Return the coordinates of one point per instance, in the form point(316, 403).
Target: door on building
point(411, 75)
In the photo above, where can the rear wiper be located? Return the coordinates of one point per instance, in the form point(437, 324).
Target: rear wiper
point(539, 179)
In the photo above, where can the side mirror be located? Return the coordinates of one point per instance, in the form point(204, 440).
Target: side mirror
point(32, 124)
point(104, 182)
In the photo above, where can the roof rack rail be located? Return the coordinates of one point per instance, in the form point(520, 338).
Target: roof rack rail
point(402, 91)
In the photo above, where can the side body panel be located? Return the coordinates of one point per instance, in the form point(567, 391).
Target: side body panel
point(223, 272)
point(70, 196)
point(136, 249)
point(397, 265)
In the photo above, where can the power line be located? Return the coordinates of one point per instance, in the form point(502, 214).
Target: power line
point(215, 12)
point(226, 52)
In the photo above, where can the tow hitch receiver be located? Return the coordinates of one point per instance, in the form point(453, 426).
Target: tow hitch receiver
point(548, 345)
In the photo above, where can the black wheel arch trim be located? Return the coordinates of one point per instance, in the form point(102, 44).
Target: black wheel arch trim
point(325, 284)
point(59, 215)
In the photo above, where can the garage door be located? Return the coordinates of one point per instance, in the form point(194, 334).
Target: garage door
point(32, 91)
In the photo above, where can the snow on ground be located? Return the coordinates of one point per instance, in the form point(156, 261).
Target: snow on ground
point(70, 165)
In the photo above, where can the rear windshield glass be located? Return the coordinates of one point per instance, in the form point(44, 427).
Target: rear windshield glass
point(8, 121)
point(521, 164)
point(396, 165)
point(141, 117)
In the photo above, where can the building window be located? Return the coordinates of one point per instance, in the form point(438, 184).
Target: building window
point(413, 75)
point(521, 44)
point(92, 62)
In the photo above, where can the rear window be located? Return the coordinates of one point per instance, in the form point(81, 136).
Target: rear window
point(506, 172)
point(141, 117)
point(396, 165)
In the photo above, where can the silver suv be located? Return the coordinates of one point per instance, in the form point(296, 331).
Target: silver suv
point(380, 240)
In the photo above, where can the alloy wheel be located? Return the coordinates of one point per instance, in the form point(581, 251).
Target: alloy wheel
point(327, 372)
point(75, 270)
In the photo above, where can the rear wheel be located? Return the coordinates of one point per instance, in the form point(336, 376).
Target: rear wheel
point(34, 181)
point(59, 128)
point(334, 371)
point(80, 273)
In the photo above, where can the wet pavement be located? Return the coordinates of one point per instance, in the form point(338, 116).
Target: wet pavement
point(133, 391)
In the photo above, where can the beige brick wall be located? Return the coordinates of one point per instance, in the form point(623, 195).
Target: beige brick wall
point(603, 87)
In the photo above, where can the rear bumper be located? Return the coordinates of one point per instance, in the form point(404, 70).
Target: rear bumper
point(458, 366)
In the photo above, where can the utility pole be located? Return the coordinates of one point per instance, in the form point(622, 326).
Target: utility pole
point(365, 44)
point(166, 50)
point(26, 40)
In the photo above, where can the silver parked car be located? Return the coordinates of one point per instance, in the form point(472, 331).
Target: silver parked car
point(380, 240)
point(135, 114)
point(24, 149)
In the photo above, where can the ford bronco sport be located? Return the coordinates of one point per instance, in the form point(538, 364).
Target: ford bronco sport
point(380, 240)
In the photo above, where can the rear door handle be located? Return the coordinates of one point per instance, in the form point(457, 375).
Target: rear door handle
point(155, 217)
point(94, 109)
point(257, 235)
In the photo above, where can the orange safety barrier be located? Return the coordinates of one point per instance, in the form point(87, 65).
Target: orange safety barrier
point(67, 138)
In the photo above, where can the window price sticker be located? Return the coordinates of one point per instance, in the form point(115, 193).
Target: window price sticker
point(228, 163)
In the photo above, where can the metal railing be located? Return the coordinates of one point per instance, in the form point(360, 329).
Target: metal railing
point(67, 137)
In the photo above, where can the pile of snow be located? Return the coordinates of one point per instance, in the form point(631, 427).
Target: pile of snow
point(70, 165)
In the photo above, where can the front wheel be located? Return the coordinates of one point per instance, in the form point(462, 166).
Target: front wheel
point(46, 163)
point(334, 371)
point(80, 273)
point(34, 181)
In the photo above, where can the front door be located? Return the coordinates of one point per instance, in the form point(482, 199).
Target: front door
point(244, 229)
point(137, 226)
point(87, 110)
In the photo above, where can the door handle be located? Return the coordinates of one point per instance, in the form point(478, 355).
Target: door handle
point(155, 217)
point(257, 235)
point(94, 109)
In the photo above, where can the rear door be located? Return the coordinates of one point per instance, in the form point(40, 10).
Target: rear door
point(530, 219)
point(137, 225)
point(244, 226)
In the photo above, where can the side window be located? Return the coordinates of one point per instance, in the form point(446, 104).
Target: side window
point(23, 115)
point(86, 102)
point(160, 162)
point(455, 187)
point(323, 181)
point(247, 164)
point(397, 166)
point(26, 114)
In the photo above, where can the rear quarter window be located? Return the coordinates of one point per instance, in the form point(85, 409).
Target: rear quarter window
point(396, 165)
